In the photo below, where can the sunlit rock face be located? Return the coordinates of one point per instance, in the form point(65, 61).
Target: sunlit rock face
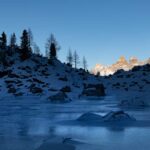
point(103, 70)
point(122, 63)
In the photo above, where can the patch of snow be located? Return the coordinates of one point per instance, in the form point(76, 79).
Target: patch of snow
point(113, 116)
point(90, 117)
point(118, 116)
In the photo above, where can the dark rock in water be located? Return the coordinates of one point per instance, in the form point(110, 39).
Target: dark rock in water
point(59, 97)
point(66, 89)
point(90, 117)
point(94, 90)
point(118, 116)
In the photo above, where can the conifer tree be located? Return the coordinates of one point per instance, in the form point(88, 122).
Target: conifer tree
point(52, 50)
point(52, 46)
point(25, 45)
point(3, 41)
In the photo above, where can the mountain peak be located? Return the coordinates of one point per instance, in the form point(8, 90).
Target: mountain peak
point(122, 59)
point(122, 63)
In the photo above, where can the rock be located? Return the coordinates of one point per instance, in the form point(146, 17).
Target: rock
point(37, 80)
point(4, 73)
point(53, 89)
point(63, 78)
point(90, 117)
point(94, 90)
point(35, 90)
point(12, 81)
point(118, 116)
point(12, 75)
point(66, 89)
point(113, 116)
point(59, 97)
point(12, 90)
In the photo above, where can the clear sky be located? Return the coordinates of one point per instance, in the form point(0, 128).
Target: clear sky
point(100, 30)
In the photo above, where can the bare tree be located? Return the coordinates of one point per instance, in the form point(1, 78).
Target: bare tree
point(47, 53)
point(84, 61)
point(30, 37)
point(69, 57)
point(12, 43)
point(75, 59)
point(36, 49)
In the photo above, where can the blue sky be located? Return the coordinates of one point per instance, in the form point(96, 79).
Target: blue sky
point(100, 30)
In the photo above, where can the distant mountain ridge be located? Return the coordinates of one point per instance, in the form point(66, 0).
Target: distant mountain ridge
point(122, 63)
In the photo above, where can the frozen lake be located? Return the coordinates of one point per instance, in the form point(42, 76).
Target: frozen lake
point(26, 123)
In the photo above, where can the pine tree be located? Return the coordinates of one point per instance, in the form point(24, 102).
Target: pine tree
point(3, 41)
point(25, 46)
point(52, 50)
point(24, 40)
point(75, 59)
point(69, 57)
point(52, 46)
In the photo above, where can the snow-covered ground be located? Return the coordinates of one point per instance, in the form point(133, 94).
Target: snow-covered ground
point(34, 124)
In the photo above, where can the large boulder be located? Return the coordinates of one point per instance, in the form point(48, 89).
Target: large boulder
point(94, 90)
point(113, 116)
point(90, 117)
point(59, 97)
point(118, 116)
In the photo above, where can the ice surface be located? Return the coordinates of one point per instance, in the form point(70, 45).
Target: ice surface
point(28, 123)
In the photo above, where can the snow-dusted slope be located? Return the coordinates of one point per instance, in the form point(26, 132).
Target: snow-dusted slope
point(130, 87)
point(56, 80)
point(36, 76)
